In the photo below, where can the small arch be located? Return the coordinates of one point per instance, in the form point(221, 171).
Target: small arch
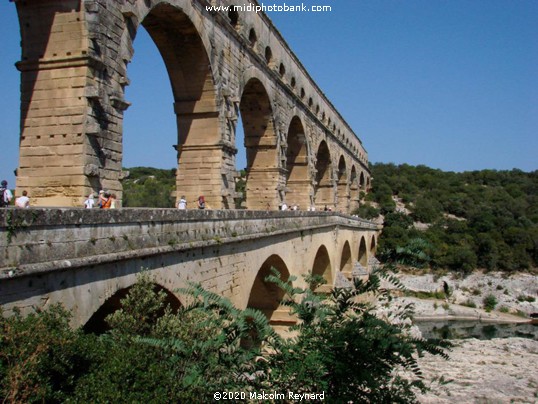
point(282, 70)
point(322, 267)
point(310, 102)
point(303, 93)
point(97, 324)
point(317, 109)
point(293, 82)
point(268, 54)
point(363, 254)
point(252, 37)
point(233, 16)
point(345, 260)
point(373, 245)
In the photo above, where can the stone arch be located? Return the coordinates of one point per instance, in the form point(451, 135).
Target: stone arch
point(322, 267)
point(261, 147)
point(362, 256)
point(97, 324)
point(323, 191)
point(184, 52)
point(267, 296)
point(342, 186)
point(297, 182)
point(373, 245)
point(362, 184)
point(354, 191)
point(346, 264)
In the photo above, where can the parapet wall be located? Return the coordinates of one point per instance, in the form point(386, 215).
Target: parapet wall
point(40, 240)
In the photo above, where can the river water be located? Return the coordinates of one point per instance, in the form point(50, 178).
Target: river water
point(457, 329)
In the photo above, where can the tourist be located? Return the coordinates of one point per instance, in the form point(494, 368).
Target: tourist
point(182, 204)
point(112, 201)
point(284, 206)
point(23, 201)
point(107, 200)
point(6, 195)
point(201, 202)
point(90, 202)
point(102, 198)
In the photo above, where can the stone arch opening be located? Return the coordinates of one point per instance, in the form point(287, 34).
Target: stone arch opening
point(97, 324)
point(323, 193)
point(297, 180)
point(354, 194)
point(342, 187)
point(267, 296)
point(373, 246)
point(361, 181)
point(346, 264)
point(322, 267)
point(191, 78)
point(262, 172)
point(363, 253)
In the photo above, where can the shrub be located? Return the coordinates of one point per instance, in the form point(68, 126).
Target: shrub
point(490, 301)
point(469, 303)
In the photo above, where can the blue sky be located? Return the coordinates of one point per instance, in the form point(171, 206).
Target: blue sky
point(449, 84)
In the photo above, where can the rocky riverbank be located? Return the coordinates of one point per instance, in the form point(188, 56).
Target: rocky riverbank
point(492, 371)
point(501, 370)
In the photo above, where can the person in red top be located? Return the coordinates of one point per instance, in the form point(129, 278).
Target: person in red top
point(201, 202)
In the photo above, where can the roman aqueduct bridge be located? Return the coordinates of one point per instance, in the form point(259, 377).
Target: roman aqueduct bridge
point(221, 65)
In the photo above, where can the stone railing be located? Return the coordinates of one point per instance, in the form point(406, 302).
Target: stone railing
point(40, 240)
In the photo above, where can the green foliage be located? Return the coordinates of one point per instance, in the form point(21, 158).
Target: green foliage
point(149, 187)
point(367, 211)
point(490, 301)
point(154, 355)
point(486, 219)
point(339, 332)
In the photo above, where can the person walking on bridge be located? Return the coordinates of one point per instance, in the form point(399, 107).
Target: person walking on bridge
point(5, 195)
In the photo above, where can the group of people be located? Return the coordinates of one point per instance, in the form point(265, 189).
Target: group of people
point(182, 203)
point(6, 197)
point(105, 200)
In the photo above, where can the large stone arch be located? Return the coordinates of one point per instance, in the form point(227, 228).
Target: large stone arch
point(267, 296)
point(324, 190)
point(354, 190)
point(97, 323)
point(185, 55)
point(342, 186)
point(298, 182)
point(263, 172)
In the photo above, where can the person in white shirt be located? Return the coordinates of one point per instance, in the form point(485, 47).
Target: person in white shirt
point(182, 204)
point(284, 206)
point(90, 202)
point(23, 201)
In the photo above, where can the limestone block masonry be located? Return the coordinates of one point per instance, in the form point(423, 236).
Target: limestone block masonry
point(222, 65)
point(83, 258)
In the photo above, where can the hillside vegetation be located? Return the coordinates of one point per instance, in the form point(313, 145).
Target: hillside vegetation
point(482, 219)
point(149, 187)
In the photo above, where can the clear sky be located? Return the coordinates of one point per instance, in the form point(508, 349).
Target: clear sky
point(449, 84)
